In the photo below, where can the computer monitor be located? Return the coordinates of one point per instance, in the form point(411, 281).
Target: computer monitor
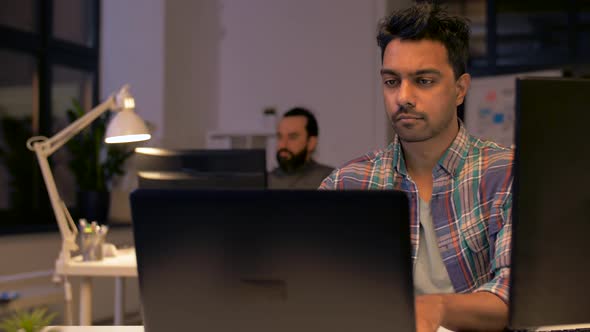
point(201, 169)
point(267, 260)
point(550, 274)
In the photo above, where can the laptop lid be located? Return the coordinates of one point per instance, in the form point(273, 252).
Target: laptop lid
point(550, 274)
point(273, 260)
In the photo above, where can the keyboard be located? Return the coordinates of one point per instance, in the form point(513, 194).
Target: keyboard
point(559, 328)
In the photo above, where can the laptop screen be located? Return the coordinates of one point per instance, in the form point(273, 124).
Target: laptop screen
point(273, 260)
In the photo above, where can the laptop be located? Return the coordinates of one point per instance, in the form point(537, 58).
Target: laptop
point(550, 276)
point(247, 260)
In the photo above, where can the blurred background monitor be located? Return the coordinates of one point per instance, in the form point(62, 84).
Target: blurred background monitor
point(201, 169)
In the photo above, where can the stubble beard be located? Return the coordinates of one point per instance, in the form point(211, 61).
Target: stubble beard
point(411, 133)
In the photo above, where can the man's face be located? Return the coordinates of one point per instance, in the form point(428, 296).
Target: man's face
point(420, 91)
point(294, 145)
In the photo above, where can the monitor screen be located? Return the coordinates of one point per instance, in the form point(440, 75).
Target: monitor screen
point(159, 168)
point(551, 201)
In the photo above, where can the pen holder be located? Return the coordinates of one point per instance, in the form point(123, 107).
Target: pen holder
point(92, 238)
point(91, 246)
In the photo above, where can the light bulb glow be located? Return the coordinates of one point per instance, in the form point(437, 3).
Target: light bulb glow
point(127, 138)
point(155, 151)
point(129, 103)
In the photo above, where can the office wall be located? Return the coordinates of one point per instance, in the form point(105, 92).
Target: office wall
point(319, 54)
point(215, 64)
point(132, 51)
point(193, 34)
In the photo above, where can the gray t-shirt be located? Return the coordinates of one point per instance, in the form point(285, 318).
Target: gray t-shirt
point(430, 273)
point(310, 176)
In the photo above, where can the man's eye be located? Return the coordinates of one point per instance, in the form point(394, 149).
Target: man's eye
point(391, 82)
point(425, 81)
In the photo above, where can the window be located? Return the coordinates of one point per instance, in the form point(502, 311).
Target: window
point(516, 36)
point(49, 53)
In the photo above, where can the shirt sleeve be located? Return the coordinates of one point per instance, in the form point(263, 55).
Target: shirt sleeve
point(329, 183)
point(500, 262)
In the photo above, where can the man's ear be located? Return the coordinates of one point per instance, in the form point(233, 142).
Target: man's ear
point(462, 85)
point(312, 143)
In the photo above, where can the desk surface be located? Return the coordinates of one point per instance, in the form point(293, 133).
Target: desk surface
point(122, 265)
point(93, 329)
point(118, 329)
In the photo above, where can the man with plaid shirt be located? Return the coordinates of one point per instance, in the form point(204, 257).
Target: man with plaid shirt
point(459, 186)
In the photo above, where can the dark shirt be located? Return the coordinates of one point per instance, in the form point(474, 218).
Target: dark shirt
point(309, 176)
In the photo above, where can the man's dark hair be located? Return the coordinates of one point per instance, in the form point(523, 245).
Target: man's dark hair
point(312, 125)
point(431, 22)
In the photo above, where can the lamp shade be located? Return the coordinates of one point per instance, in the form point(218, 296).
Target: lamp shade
point(126, 127)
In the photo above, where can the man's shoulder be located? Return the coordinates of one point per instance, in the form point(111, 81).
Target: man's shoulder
point(323, 167)
point(369, 159)
point(359, 172)
point(492, 164)
point(492, 154)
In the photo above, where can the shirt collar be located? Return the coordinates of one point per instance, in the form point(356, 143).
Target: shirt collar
point(451, 161)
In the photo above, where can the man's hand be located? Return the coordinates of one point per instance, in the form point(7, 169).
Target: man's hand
point(429, 312)
point(481, 311)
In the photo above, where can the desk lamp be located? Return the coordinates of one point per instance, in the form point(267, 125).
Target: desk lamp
point(125, 127)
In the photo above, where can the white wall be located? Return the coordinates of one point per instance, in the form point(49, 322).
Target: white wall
point(197, 66)
point(226, 60)
point(319, 54)
point(132, 51)
point(203, 65)
point(192, 59)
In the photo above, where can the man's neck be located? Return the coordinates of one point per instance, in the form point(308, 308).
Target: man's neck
point(299, 169)
point(421, 157)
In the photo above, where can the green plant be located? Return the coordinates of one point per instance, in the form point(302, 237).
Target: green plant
point(27, 321)
point(20, 164)
point(93, 162)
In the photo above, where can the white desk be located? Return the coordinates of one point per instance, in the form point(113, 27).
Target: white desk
point(121, 266)
point(117, 329)
point(93, 329)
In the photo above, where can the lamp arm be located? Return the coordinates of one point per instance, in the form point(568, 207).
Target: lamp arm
point(62, 137)
point(45, 147)
point(66, 225)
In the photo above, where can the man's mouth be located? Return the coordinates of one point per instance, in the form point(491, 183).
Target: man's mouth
point(285, 154)
point(407, 118)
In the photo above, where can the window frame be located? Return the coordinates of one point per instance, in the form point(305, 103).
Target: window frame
point(49, 51)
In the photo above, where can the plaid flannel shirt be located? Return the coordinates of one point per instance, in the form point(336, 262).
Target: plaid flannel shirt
point(471, 206)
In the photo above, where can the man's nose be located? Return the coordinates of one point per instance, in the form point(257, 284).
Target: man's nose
point(405, 94)
point(282, 143)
